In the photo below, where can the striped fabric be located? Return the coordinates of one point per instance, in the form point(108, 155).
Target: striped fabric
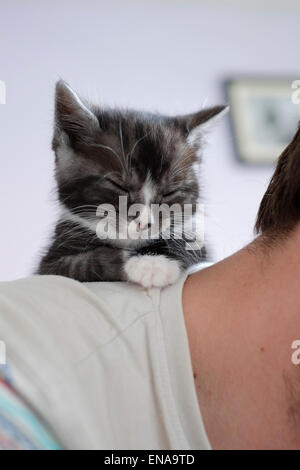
point(19, 427)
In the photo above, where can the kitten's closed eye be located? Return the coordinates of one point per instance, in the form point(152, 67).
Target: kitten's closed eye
point(171, 193)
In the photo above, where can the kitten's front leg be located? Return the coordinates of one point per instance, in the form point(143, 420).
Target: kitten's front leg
point(152, 270)
point(100, 264)
point(161, 263)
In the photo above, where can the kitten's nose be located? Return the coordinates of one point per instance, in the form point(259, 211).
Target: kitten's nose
point(145, 220)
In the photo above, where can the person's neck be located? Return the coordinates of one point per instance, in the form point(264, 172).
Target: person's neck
point(243, 306)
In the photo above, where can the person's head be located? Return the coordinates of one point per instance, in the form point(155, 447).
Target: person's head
point(279, 211)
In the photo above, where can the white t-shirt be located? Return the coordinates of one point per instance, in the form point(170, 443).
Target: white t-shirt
point(105, 365)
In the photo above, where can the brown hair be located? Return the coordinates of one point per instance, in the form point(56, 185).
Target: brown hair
point(279, 209)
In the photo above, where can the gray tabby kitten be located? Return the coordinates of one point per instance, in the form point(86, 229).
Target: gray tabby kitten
point(102, 154)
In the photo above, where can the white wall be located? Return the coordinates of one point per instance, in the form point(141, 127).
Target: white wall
point(168, 56)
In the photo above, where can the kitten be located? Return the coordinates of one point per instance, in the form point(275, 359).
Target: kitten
point(104, 156)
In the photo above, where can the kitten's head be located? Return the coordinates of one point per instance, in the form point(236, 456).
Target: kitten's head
point(102, 154)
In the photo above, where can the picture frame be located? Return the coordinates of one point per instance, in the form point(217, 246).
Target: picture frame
point(264, 117)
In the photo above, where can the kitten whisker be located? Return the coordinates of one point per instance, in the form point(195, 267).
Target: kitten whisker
point(121, 140)
point(133, 149)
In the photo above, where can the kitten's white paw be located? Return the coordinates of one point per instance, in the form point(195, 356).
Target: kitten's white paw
point(152, 271)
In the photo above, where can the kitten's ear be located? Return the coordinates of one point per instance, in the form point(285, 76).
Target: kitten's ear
point(72, 115)
point(194, 125)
